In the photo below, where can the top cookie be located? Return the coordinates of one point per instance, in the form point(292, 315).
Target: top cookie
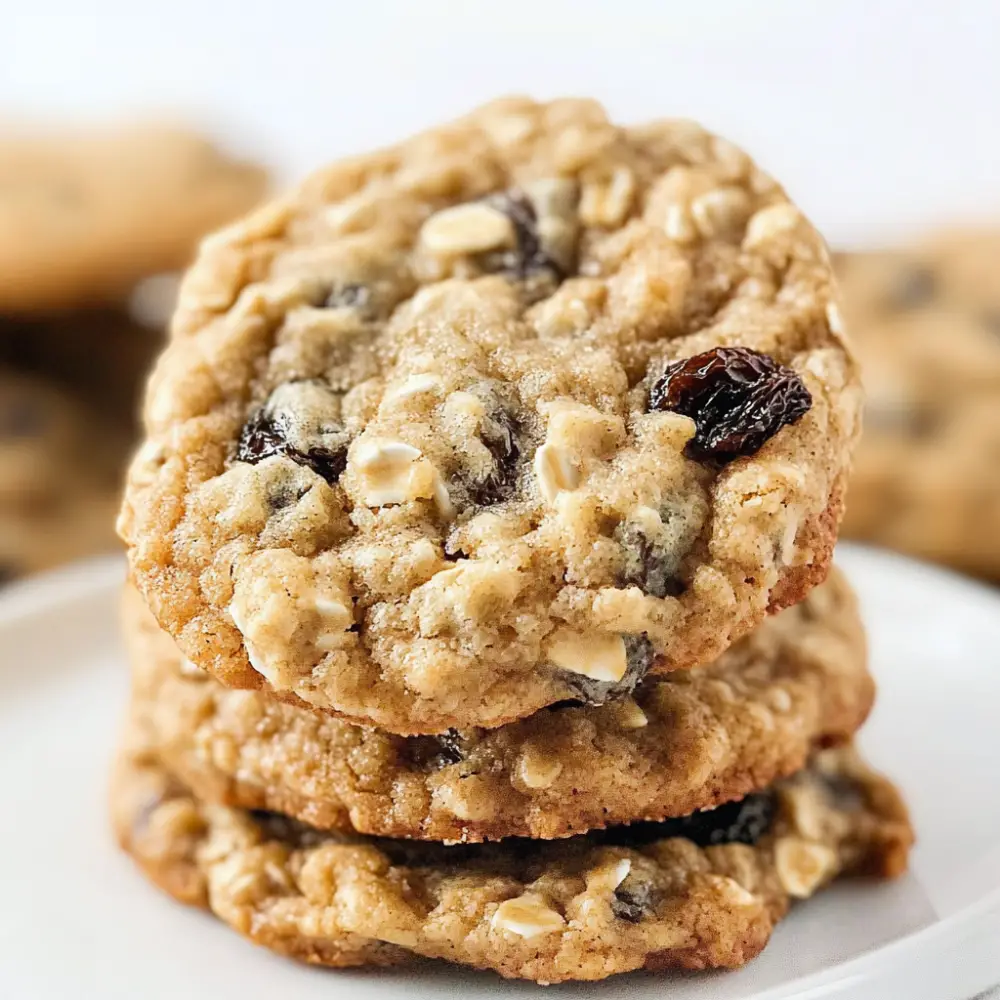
point(84, 216)
point(514, 412)
point(927, 475)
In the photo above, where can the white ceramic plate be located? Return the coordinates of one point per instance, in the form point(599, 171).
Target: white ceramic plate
point(77, 921)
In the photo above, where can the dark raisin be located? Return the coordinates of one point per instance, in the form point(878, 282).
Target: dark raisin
point(500, 433)
point(282, 497)
point(432, 752)
point(640, 655)
point(654, 564)
point(350, 296)
point(449, 750)
point(645, 568)
point(264, 436)
point(742, 822)
point(529, 256)
point(737, 397)
point(260, 438)
point(278, 826)
point(280, 427)
point(633, 900)
point(911, 288)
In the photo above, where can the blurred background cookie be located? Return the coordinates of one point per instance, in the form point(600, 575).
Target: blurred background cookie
point(84, 216)
point(93, 228)
point(60, 462)
point(102, 355)
point(926, 321)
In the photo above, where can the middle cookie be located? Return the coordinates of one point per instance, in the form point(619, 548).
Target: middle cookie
point(690, 741)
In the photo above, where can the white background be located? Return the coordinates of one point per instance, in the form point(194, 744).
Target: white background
point(881, 116)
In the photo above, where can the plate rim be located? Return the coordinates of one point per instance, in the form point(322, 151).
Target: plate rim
point(905, 962)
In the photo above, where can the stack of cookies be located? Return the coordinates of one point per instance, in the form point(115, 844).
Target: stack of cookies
point(478, 474)
point(89, 223)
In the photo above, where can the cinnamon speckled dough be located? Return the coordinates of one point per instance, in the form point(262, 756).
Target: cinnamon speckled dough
point(60, 467)
point(578, 909)
point(690, 741)
point(84, 215)
point(927, 474)
point(400, 464)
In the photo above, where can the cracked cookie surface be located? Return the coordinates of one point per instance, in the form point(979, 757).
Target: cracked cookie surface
point(412, 454)
point(700, 892)
point(689, 741)
point(927, 473)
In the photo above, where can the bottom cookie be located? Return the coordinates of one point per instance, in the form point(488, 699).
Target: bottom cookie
point(701, 892)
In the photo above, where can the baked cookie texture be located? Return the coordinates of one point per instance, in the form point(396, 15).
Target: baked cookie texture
point(85, 215)
point(695, 893)
point(691, 740)
point(927, 474)
point(454, 431)
point(60, 467)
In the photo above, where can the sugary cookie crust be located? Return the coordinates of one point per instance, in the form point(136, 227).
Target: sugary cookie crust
point(398, 470)
point(578, 909)
point(84, 215)
point(927, 475)
point(690, 741)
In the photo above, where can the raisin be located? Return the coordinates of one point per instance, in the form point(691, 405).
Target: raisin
point(737, 397)
point(280, 497)
point(654, 563)
point(633, 900)
point(260, 438)
point(744, 821)
point(646, 567)
point(264, 436)
point(449, 751)
point(912, 287)
point(278, 826)
point(529, 256)
point(349, 296)
point(433, 752)
point(640, 655)
point(500, 433)
point(294, 422)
